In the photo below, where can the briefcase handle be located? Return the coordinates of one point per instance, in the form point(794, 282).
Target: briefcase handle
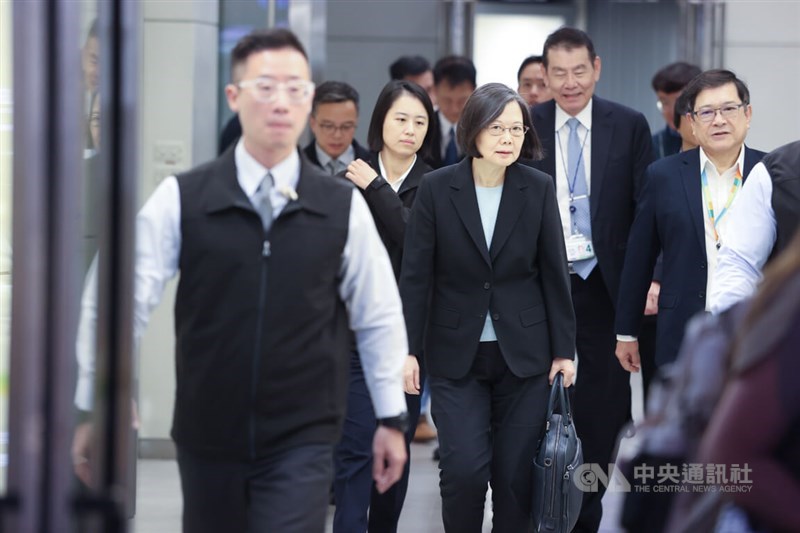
point(559, 395)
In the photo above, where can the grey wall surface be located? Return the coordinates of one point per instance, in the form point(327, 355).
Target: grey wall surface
point(633, 41)
point(364, 38)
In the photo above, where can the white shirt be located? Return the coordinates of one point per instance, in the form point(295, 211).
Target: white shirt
point(395, 185)
point(751, 235)
point(561, 155)
point(444, 127)
point(719, 186)
point(367, 285)
point(345, 159)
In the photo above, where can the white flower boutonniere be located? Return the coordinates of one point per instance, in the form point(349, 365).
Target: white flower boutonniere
point(288, 192)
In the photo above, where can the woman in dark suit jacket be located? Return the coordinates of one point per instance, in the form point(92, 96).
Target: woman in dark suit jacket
point(486, 297)
point(399, 136)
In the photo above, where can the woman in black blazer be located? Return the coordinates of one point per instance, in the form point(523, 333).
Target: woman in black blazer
point(398, 137)
point(486, 297)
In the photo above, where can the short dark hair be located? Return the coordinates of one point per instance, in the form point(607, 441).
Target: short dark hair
point(391, 92)
point(487, 103)
point(711, 79)
point(261, 40)
point(568, 38)
point(527, 61)
point(408, 66)
point(333, 92)
point(674, 77)
point(680, 109)
point(455, 70)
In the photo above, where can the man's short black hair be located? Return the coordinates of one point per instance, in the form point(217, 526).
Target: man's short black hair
point(674, 77)
point(485, 104)
point(408, 66)
point(391, 92)
point(333, 92)
point(261, 40)
point(681, 108)
point(568, 38)
point(711, 79)
point(527, 61)
point(455, 70)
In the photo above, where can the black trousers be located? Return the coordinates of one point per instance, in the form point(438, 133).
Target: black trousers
point(602, 396)
point(489, 423)
point(359, 506)
point(283, 492)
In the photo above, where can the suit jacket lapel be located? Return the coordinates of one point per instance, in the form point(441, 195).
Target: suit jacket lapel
point(414, 177)
point(602, 133)
point(465, 201)
point(690, 176)
point(512, 202)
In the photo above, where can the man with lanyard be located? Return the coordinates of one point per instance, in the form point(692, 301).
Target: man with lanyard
point(683, 213)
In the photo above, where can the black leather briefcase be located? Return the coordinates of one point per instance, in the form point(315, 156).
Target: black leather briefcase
point(556, 497)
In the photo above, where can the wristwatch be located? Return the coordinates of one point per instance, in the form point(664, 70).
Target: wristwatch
point(399, 422)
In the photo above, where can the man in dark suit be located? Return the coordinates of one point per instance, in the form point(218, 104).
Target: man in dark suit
point(454, 82)
point(683, 214)
point(334, 119)
point(596, 150)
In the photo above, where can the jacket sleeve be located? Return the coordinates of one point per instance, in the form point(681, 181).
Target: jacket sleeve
point(552, 260)
point(387, 207)
point(417, 271)
point(644, 245)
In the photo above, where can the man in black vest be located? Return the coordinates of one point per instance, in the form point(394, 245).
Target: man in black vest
point(278, 263)
point(764, 218)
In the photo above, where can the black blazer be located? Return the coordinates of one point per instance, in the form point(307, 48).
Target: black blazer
point(310, 152)
point(391, 210)
point(670, 219)
point(621, 151)
point(521, 279)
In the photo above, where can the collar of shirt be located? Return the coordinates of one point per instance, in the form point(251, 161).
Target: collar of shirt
point(396, 184)
point(345, 159)
point(444, 126)
point(250, 172)
point(711, 170)
point(584, 117)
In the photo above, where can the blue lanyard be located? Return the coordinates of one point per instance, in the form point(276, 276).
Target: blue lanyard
point(571, 186)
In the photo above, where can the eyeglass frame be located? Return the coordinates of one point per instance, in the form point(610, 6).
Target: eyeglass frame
point(696, 113)
point(279, 86)
point(331, 129)
point(503, 129)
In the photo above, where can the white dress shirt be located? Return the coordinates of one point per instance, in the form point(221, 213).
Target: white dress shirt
point(367, 285)
point(562, 143)
point(395, 185)
point(720, 187)
point(751, 235)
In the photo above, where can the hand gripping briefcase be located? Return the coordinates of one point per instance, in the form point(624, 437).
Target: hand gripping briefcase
point(556, 497)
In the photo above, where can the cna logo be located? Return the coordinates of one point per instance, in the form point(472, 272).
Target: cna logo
point(589, 476)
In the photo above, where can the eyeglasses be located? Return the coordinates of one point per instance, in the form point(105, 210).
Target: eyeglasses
point(516, 131)
point(266, 90)
point(707, 114)
point(330, 128)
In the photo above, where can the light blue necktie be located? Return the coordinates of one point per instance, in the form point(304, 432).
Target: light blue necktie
point(262, 203)
point(579, 207)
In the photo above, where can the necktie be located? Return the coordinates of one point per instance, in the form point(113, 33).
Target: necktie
point(451, 152)
point(262, 202)
point(333, 166)
point(579, 206)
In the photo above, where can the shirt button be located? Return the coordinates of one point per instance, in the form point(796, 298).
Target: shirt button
point(487, 285)
point(496, 316)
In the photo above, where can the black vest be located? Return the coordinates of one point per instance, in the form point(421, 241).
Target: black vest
point(783, 165)
point(262, 347)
